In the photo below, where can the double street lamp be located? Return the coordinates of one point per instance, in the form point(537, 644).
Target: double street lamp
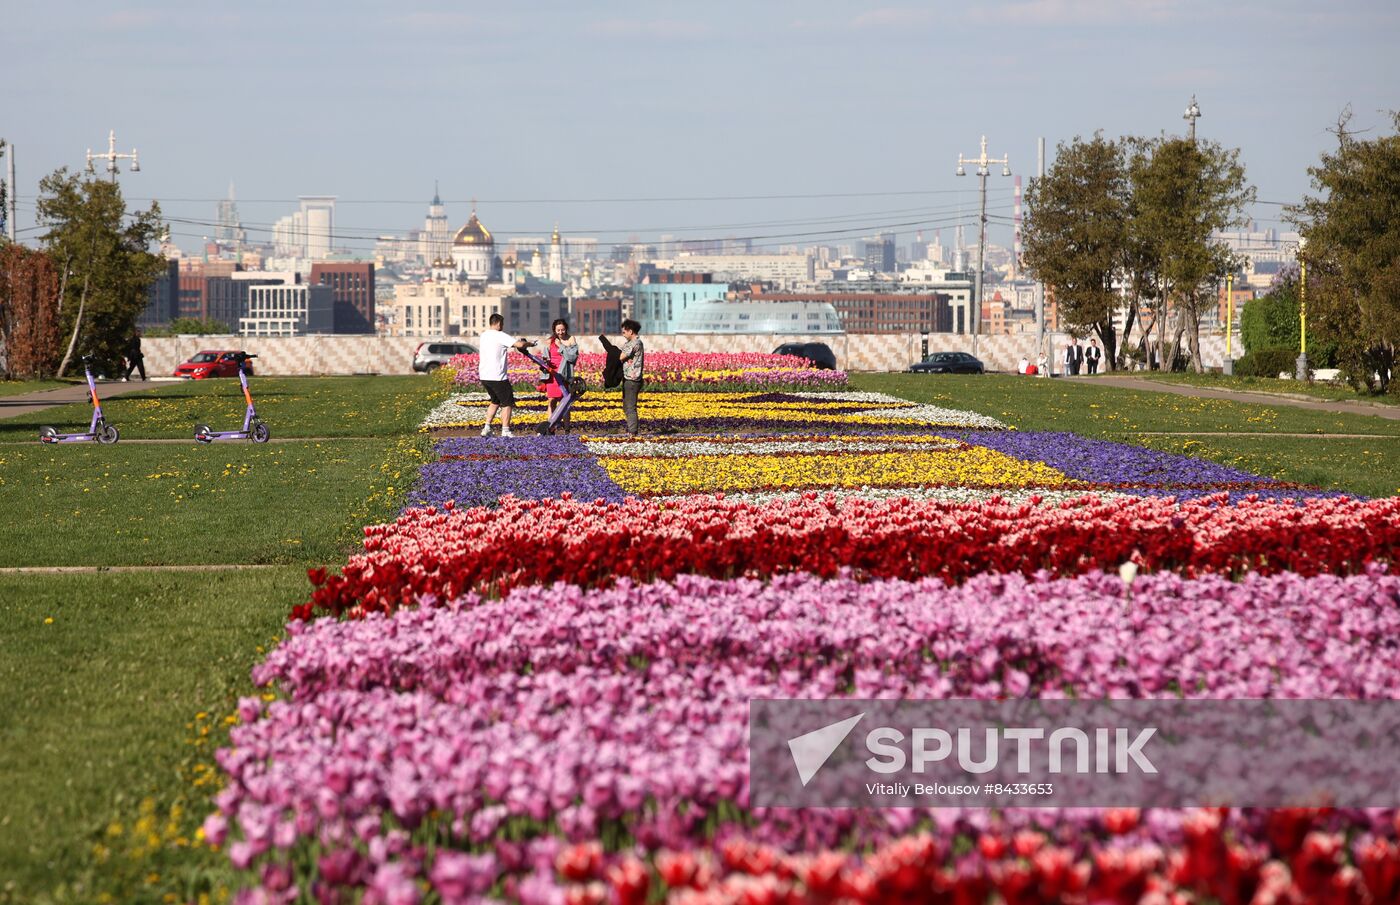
point(111, 156)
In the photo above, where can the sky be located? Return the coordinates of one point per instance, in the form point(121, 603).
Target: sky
point(800, 123)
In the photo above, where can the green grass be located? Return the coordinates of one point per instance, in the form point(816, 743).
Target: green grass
point(1360, 466)
point(95, 713)
point(172, 504)
point(1326, 391)
point(20, 387)
point(292, 406)
point(1101, 411)
point(98, 709)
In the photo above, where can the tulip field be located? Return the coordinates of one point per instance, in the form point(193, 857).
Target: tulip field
point(533, 685)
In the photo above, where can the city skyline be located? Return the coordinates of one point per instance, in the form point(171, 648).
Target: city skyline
point(788, 124)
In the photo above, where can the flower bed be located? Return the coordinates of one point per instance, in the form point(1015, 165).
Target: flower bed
point(677, 371)
point(571, 714)
point(447, 553)
point(543, 697)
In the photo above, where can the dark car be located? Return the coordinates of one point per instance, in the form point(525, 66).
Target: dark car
point(428, 357)
point(948, 363)
point(819, 354)
point(213, 363)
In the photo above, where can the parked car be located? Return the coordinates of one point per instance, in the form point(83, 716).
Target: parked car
point(213, 363)
point(948, 363)
point(428, 357)
point(819, 354)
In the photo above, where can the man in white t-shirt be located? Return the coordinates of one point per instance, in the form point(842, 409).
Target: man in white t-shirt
point(494, 373)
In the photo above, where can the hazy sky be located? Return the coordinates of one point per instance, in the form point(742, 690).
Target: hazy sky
point(620, 119)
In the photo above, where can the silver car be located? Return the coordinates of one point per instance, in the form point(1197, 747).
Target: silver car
point(430, 356)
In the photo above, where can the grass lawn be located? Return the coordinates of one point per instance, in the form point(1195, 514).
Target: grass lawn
point(95, 712)
point(158, 504)
point(1111, 413)
point(98, 709)
point(1332, 392)
point(1370, 467)
point(292, 407)
point(20, 387)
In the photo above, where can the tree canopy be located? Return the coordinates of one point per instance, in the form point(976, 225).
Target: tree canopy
point(104, 253)
point(1352, 232)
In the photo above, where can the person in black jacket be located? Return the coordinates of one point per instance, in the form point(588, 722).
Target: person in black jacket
point(134, 359)
point(612, 368)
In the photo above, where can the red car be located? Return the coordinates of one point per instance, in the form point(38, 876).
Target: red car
point(213, 363)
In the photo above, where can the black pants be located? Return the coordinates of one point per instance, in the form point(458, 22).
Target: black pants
point(134, 364)
point(1093, 364)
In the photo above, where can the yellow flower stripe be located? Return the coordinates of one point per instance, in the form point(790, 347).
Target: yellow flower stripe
point(966, 466)
point(701, 405)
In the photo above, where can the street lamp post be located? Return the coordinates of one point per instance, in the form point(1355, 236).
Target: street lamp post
point(1193, 113)
point(1301, 365)
point(111, 156)
point(1229, 368)
point(982, 161)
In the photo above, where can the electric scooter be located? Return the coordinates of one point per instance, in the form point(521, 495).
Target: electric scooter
point(99, 430)
point(253, 427)
point(571, 390)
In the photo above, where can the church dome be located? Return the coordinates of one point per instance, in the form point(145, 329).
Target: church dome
point(473, 234)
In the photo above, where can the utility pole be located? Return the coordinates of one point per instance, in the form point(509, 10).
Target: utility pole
point(1040, 285)
point(982, 163)
point(111, 156)
point(1193, 113)
point(10, 162)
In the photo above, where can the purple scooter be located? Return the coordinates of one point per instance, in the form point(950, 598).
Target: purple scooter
point(253, 427)
point(99, 430)
point(571, 389)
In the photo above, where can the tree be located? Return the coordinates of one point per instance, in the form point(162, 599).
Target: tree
point(1185, 191)
point(30, 290)
point(105, 253)
point(1076, 232)
point(1352, 230)
point(190, 326)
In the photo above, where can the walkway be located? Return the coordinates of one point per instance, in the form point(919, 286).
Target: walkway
point(1391, 412)
point(29, 403)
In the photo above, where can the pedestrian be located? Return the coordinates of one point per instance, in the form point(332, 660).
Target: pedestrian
point(1074, 357)
point(631, 354)
point(135, 361)
point(1092, 356)
point(1024, 367)
point(562, 354)
point(495, 373)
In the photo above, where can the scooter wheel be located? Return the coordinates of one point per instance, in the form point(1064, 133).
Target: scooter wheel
point(202, 432)
point(47, 433)
point(108, 434)
point(260, 433)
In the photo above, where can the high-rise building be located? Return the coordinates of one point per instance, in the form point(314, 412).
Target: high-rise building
point(230, 233)
point(352, 293)
point(318, 223)
point(435, 241)
point(879, 253)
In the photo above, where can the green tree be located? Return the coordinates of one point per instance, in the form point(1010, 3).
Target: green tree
point(190, 326)
point(104, 253)
point(1186, 192)
point(1076, 232)
point(1270, 321)
point(1352, 231)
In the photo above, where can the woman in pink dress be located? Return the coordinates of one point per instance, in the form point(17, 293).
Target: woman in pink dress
point(562, 354)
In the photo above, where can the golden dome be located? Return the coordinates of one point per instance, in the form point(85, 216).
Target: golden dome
point(473, 234)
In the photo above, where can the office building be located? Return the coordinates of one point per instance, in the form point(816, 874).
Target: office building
point(352, 285)
point(661, 298)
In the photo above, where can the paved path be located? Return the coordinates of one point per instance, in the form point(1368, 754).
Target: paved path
point(1391, 412)
point(29, 403)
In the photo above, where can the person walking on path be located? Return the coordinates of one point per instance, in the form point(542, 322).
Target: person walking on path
point(134, 359)
point(632, 357)
point(562, 354)
point(494, 373)
point(1092, 356)
point(1074, 356)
